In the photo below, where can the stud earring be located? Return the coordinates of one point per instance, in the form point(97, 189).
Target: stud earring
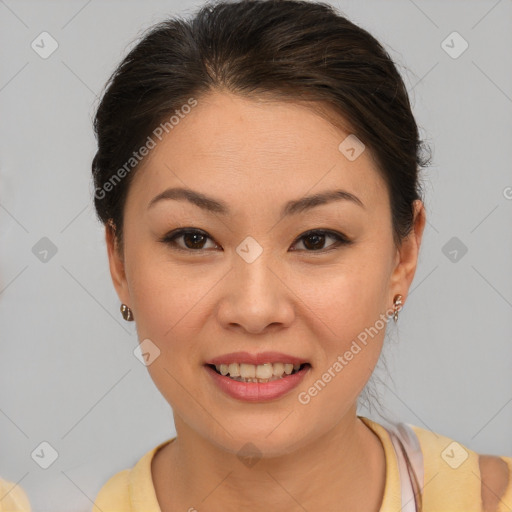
point(127, 313)
point(397, 302)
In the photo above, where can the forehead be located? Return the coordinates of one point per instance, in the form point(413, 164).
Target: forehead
point(238, 148)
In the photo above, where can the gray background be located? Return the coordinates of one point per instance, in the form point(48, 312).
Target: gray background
point(68, 373)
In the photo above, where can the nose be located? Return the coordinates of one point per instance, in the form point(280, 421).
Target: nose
point(255, 297)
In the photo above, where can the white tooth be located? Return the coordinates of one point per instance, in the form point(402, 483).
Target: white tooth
point(264, 371)
point(247, 371)
point(251, 372)
point(234, 370)
point(278, 369)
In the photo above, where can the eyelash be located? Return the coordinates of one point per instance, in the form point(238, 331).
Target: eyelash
point(341, 240)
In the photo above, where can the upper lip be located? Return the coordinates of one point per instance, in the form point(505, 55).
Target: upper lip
point(256, 359)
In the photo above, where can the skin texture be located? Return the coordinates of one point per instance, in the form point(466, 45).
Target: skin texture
point(307, 302)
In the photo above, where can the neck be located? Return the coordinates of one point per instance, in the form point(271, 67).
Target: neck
point(329, 473)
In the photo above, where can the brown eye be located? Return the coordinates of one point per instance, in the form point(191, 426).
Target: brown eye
point(314, 241)
point(193, 239)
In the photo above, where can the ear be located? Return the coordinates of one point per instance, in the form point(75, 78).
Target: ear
point(116, 264)
point(407, 254)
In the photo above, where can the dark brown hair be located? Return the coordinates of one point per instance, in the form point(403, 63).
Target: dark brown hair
point(289, 50)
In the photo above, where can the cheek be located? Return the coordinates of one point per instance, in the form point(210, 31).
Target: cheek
point(346, 298)
point(167, 306)
point(164, 293)
point(348, 319)
point(167, 301)
point(172, 302)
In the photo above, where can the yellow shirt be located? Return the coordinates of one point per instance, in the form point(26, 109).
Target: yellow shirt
point(449, 484)
point(13, 497)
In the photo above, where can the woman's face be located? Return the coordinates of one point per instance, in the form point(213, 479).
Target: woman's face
point(249, 280)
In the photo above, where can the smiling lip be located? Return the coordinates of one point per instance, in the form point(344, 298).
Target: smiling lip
point(255, 391)
point(256, 359)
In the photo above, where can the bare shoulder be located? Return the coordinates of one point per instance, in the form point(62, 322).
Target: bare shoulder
point(495, 477)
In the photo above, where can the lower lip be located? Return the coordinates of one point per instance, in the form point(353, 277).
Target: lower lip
point(255, 391)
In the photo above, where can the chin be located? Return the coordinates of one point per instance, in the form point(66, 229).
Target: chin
point(271, 441)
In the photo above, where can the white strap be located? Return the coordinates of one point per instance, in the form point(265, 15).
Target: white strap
point(404, 438)
point(412, 446)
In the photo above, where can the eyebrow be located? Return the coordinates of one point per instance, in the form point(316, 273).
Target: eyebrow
point(292, 207)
